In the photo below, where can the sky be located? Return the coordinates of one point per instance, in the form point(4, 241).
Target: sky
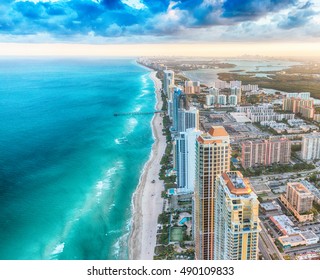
point(160, 27)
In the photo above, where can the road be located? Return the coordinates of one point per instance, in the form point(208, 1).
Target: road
point(267, 246)
point(283, 176)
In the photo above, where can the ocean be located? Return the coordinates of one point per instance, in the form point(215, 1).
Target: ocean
point(68, 166)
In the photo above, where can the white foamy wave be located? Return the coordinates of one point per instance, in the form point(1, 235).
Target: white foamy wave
point(116, 248)
point(137, 108)
point(105, 184)
point(132, 123)
point(144, 92)
point(144, 79)
point(120, 247)
point(111, 206)
point(120, 140)
point(58, 249)
point(99, 188)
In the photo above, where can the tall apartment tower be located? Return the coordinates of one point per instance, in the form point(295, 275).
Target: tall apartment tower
point(185, 153)
point(168, 83)
point(179, 102)
point(236, 229)
point(265, 152)
point(212, 159)
point(310, 148)
point(187, 119)
point(236, 91)
point(299, 197)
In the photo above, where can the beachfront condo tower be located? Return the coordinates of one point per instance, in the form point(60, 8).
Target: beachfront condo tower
point(236, 223)
point(212, 159)
point(185, 153)
point(168, 83)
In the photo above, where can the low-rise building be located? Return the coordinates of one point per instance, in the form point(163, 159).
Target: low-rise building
point(284, 224)
point(310, 237)
point(270, 207)
point(289, 241)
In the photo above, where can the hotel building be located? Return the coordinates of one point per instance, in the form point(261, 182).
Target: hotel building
point(212, 159)
point(236, 224)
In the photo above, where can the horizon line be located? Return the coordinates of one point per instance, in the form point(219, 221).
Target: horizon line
point(234, 49)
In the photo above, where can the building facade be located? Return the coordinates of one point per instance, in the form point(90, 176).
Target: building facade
point(187, 119)
point(299, 200)
point(212, 159)
point(185, 157)
point(299, 197)
point(168, 83)
point(265, 152)
point(304, 106)
point(236, 229)
point(310, 147)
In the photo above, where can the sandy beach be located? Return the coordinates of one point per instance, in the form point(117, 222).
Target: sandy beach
point(147, 201)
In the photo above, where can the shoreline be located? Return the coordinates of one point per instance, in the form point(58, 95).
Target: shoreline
point(147, 202)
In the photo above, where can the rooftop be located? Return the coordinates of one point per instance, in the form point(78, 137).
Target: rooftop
point(236, 183)
point(295, 238)
point(214, 135)
point(270, 206)
point(299, 187)
point(284, 224)
point(309, 234)
point(218, 131)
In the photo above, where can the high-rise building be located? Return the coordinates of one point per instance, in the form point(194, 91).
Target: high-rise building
point(236, 224)
point(236, 91)
point(236, 84)
point(214, 91)
point(310, 147)
point(168, 83)
point(222, 99)
point(212, 159)
point(298, 105)
point(210, 100)
point(196, 87)
point(299, 200)
point(265, 152)
point(233, 100)
point(191, 87)
point(185, 154)
point(179, 102)
point(188, 119)
point(299, 197)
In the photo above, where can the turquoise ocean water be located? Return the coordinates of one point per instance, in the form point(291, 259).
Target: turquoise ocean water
point(68, 167)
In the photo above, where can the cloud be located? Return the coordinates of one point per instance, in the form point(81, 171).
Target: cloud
point(252, 9)
point(297, 18)
point(68, 20)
